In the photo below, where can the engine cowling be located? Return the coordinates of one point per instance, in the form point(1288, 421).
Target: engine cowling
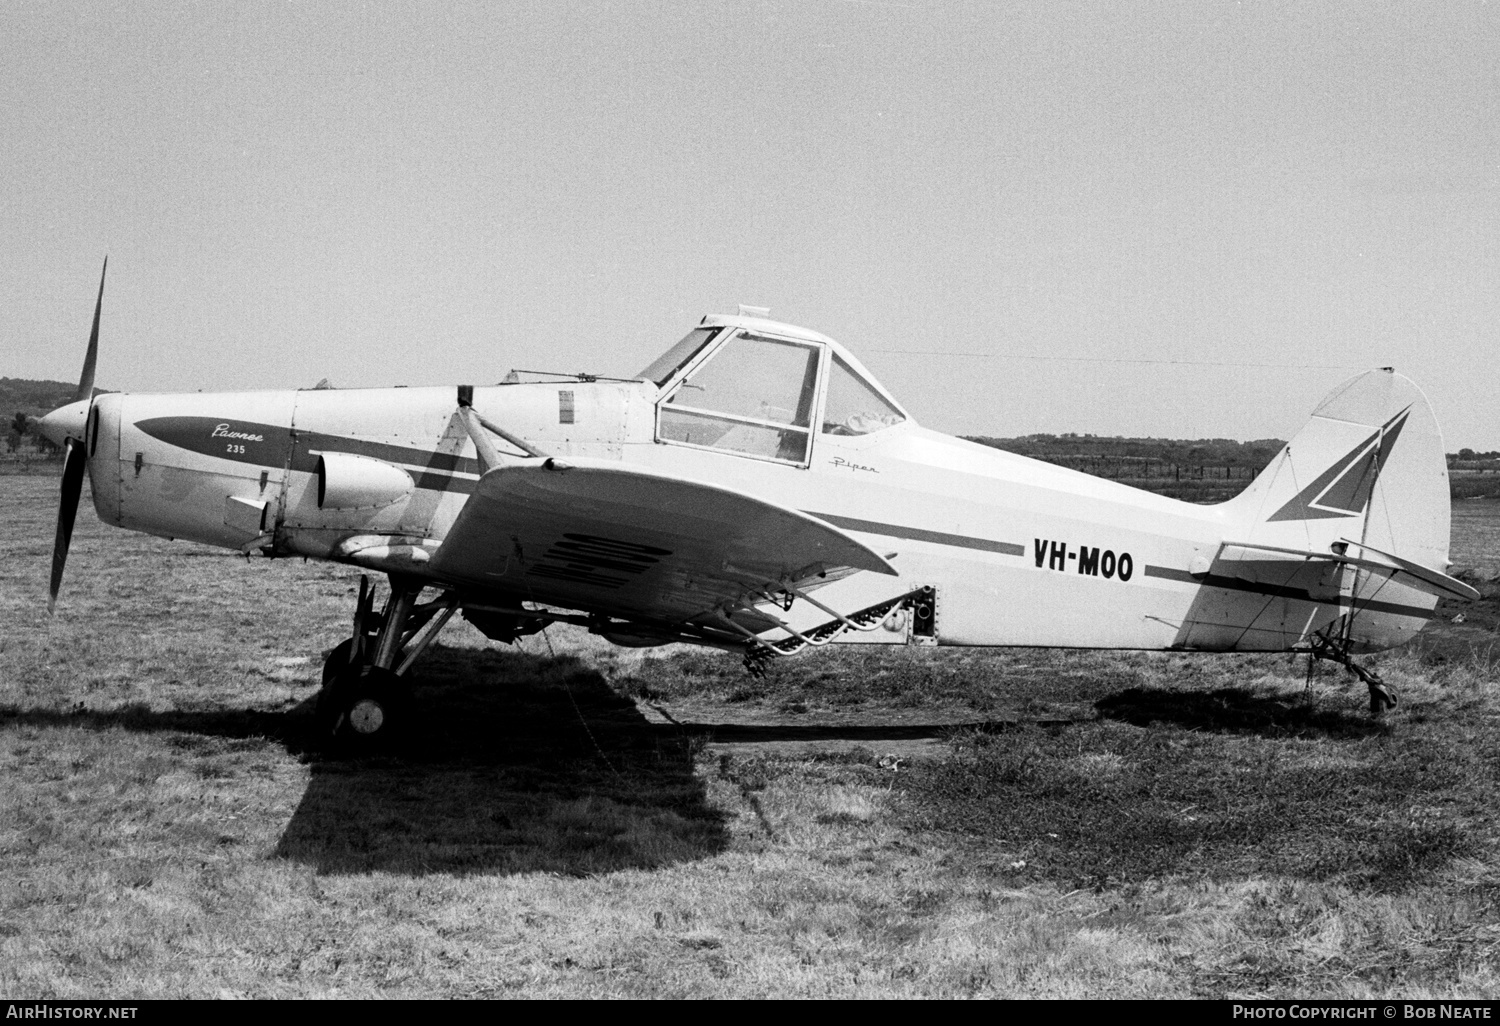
point(346, 481)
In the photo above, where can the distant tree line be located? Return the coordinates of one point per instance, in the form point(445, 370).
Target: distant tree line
point(27, 402)
point(1199, 470)
point(1468, 459)
point(1473, 474)
point(1222, 452)
point(1206, 469)
point(22, 431)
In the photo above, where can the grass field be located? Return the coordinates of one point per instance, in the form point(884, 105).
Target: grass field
point(569, 819)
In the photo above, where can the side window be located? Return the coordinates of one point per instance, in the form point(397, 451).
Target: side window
point(853, 407)
point(754, 397)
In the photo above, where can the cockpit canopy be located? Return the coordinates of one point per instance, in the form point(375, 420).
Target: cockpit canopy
point(757, 388)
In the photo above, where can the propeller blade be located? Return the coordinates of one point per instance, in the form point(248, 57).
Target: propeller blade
point(86, 379)
point(75, 462)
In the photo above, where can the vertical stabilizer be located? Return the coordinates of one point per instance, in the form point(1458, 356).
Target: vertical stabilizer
point(1368, 467)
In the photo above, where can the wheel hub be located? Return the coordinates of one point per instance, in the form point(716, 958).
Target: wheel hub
point(366, 716)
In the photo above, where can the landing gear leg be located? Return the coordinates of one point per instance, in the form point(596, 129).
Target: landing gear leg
point(354, 649)
point(1382, 695)
point(365, 697)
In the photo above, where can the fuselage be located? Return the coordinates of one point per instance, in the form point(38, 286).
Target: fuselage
point(1018, 552)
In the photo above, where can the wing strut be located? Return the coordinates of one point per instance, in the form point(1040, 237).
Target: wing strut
point(476, 426)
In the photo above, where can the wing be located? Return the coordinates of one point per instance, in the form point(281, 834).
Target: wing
point(636, 543)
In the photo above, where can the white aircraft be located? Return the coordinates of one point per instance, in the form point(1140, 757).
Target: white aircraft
point(756, 489)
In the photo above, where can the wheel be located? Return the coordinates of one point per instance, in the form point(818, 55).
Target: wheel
point(1382, 697)
point(363, 708)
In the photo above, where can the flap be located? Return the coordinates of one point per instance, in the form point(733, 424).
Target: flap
point(247, 515)
point(633, 542)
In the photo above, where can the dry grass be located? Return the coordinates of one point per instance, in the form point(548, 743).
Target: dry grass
point(584, 821)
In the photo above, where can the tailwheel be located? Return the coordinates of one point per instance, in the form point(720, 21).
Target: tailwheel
point(1382, 696)
point(363, 708)
point(1334, 649)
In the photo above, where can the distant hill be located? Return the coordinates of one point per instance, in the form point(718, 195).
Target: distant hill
point(33, 398)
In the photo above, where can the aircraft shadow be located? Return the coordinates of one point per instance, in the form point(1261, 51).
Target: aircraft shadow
point(1236, 711)
point(282, 727)
point(512, 764)
point(741, 733)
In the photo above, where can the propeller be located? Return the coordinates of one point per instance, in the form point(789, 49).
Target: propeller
point(75, 457)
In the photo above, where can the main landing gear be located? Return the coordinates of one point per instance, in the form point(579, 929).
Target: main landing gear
point(366, 698)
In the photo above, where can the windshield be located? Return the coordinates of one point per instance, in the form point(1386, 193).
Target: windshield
point(759, 378)
point(667, 363)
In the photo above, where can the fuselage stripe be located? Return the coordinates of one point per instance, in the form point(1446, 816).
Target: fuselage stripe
point(1281, 591)
point(1168, 573)
point(960, 541)
point(272, 447)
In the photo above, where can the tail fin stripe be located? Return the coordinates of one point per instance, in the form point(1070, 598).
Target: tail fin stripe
point(1344, 489)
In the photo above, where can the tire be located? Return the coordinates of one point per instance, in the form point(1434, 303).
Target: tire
point(363, 709)
point(338, 659)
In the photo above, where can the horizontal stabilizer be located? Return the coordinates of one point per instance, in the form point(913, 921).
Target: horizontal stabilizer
point(1266, 598)
point(1424, 578)
point(1439, 583)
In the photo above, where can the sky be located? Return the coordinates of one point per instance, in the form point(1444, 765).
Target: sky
point(1122, 218)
